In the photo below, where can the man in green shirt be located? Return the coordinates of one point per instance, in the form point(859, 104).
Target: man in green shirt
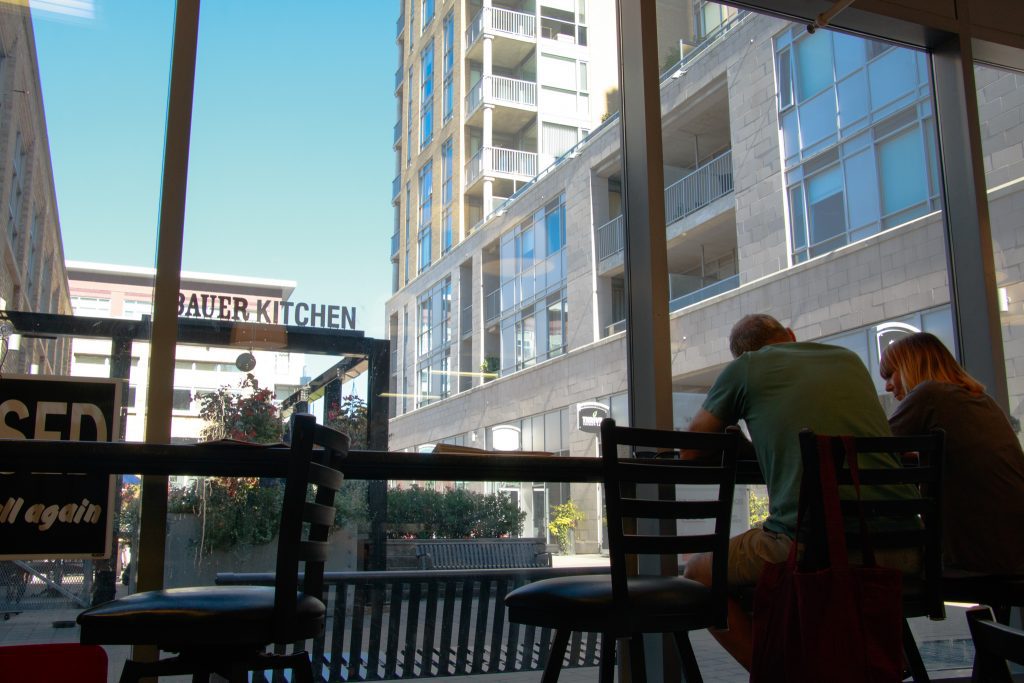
point(779, 386)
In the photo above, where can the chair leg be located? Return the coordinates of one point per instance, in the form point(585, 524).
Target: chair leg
point(555, 656)
point(607, 671)
point(636, 658)
point(688, 661)
point(913, 655)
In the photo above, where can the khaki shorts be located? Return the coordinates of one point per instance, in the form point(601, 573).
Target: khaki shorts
point(751, 550)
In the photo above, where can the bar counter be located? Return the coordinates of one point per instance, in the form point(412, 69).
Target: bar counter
point(245, 460)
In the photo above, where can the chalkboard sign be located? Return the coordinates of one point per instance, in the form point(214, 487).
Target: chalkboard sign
point(48, 516)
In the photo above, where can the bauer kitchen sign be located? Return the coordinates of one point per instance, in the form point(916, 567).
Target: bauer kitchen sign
point(57, 515)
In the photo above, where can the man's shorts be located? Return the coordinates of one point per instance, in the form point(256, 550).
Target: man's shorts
point(750, 551)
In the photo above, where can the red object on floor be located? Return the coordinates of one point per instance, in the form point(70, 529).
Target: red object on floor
point(53, 663)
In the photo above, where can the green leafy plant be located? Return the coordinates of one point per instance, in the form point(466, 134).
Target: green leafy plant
point(455, 513)
point(757, 506)
point(246, 413)
point(349, 415)
point(564, 520)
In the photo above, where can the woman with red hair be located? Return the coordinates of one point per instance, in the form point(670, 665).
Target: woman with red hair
point(983, 508)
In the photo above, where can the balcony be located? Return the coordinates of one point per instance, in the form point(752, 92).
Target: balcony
point(687, 195)
point(492, 306)
point(706, 292)
point(396, 187)
point(699, 188)
point(394, 244)
point(517, 31)
point(399, 77)
point(515, 102)
point(498, 161)
point(400, 26)
point(398, 134)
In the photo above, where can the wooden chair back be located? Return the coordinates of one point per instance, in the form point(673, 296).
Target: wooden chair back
point(305, 524)
point(995, 644)
point(893, 460)
point(652, 457)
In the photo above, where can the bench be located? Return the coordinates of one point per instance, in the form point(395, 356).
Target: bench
point(482, 553)
point(424, 624)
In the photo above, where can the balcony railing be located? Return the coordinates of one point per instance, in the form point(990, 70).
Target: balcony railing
point(501, 90)
point(508, 162)
point(400, 25)
point(683, 197)
point(399, 77)
point(699, 188)
point(492, 305)
point(398, 132)
point(396, 187)
point(394, 244)
point(609, 238)
point(723, 285)
point(501, 21)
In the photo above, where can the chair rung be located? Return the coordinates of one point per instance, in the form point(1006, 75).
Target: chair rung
point(331, 439)
point(895, 475)
point(314, 513)
point(669, 472)
point(313, 551)
point(670, 509)
point(908, 507)
point(668, 545)
point(325, 476)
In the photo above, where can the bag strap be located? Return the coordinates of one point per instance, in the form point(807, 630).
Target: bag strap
point(834, 527)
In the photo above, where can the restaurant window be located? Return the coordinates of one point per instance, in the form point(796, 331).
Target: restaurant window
point(858, 137)
point(427, 94)
point(434, 343)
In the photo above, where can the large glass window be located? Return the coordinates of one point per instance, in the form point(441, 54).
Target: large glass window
point(533, 295)
point(448, 89)
point(426, 189)
point(427, 94)
point(434, 343)
point(857, 133)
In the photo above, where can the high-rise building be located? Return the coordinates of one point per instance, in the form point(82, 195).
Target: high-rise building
point(801, 179)
point(32, 275)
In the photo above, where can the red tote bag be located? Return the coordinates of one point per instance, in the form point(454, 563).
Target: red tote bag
point(840, 624)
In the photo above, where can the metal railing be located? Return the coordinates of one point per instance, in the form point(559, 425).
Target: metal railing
point(396, 187)
point(400, 25)
point(723, 285)
point(501, 90)
point(501, 21)
point(683, 197)
point(398, 133)
point(698, 189)
point(399, 77)
point(609, 238)
point(394, 244)
point(510, 162)
point(492, 305)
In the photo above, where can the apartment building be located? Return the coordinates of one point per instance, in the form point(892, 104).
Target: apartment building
point(99, 290)
point(32, 276)
point(801, 179)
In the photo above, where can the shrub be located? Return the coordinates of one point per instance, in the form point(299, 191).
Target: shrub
point(455, 513)
point(564, 518)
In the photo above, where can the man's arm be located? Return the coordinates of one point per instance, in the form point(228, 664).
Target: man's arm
point(703, 421)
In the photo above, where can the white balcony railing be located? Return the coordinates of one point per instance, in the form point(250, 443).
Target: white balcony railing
point(502, 21)
point(683, 197)
point(502, 91)
point(506, 162)
point(699, 188)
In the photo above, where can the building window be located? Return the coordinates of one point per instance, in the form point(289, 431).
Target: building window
point(447, 171)
point(427, 94)
point(433, 343)
point(17, 191)
point(858, 138)
point(427, 14)
point(564, 25)
point(534, 312)
point(32, 269)
point(564, 85)
point(426, 214)
point(181, 399)
point(711, 16)
point(448, 60)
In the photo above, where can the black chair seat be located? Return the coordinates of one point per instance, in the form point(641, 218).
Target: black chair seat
point(584, 603)
point(218, 614)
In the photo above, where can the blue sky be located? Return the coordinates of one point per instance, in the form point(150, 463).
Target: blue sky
point(291, 161)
